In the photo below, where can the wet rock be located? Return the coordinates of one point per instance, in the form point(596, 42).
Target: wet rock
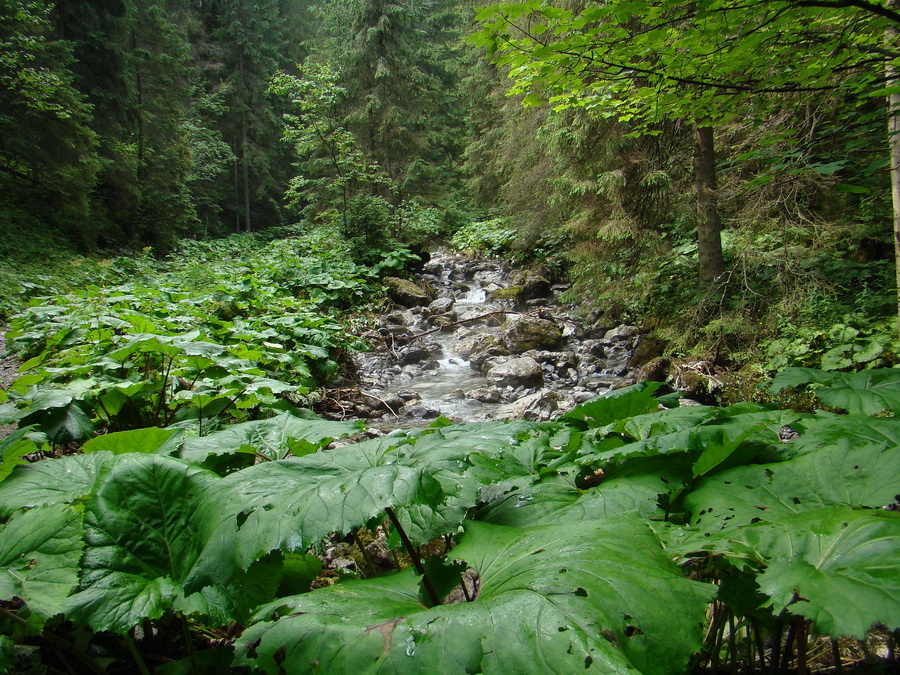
point(647, 349)
point(532, 284)
point(419, 411)
point(516, 371)
point(405, 293)
point(479, 348)
point(415, 354)
point(485, 394)
point(621, 333)
point(440, 306)
point(526, 332)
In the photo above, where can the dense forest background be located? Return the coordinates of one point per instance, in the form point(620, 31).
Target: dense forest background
point(133, 123)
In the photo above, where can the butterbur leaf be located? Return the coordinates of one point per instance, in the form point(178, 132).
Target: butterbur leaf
point(274, 438)
point(292, 504)
point(13, 448)
point(841, 474)
point(838, 567)
point(141, 544)
point(632, 489)
point(867, 392)
point(827, 429)
point(151, 439)
point(55, 481)
point(565, 599)
point(67, 424)
point(39, 554)
point(615, 405)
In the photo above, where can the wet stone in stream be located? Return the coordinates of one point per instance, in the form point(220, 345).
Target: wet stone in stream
point(472, 355)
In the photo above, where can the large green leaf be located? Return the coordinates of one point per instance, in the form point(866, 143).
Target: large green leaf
point(151, 439)
point(66, 424)
point(631, 489)
point(13, 448)
point(836, 566)
point(55, 481)
point(842, 473)
point(39, 554)
point(564, 599)
point(617, 404)
point(827, 429)
point(294, 503)
point(274, 438)
point(867, 392)
point(141, 544)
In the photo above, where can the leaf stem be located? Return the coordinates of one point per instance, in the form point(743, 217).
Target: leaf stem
point(836, 656)
point(414, 556)
point(135, 654)
point(365, 554)
point(189, 642)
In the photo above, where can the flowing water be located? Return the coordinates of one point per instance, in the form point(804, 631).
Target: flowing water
point(429, 375)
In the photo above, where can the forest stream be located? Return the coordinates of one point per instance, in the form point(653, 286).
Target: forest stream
point(473, 341)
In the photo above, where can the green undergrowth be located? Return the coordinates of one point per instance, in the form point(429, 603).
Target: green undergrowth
point(221, 331)
point(629, 535)
point(795, 298)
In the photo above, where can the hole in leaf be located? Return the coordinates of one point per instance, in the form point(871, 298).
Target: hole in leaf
point(763, 508)
point(241, 519)
point(563, 570)
point(755, 520)
point(588, 660)
point(581, 592)
point(856, 467)
point(540, 550)
point(562, 629)
point(796, 500)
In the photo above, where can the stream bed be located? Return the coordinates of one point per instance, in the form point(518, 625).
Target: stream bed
point(474, 342)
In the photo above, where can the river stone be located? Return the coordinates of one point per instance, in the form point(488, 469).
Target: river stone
point(531, 284)
point(485, 395)
point(440, 306)
point(528, 332)
point(415, 354)
point(647, 349)
point(621, 333)
point(405, 293)
point(478, 349)
point(516, 372)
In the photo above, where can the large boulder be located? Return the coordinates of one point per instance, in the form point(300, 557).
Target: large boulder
point(517, 371)
point(528, 332)
point(530, 284)
point(479, 348)
point(405, 293)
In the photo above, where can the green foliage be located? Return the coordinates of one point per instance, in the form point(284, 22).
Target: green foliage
point(202, 343)
point(485, 236)
point(570, 525)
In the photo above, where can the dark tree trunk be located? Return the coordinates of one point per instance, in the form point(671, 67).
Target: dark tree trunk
point(709, 225)
point(891, 37)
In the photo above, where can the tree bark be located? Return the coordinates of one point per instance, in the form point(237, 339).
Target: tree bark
point(709, 225)
point(893, 106)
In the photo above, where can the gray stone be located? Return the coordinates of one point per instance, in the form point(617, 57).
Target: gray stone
point(526, 332)
point(440, 306)
point(480, 348)
point(485, 394)
point(621, 333)
point(516, 372)
point(405, 293)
